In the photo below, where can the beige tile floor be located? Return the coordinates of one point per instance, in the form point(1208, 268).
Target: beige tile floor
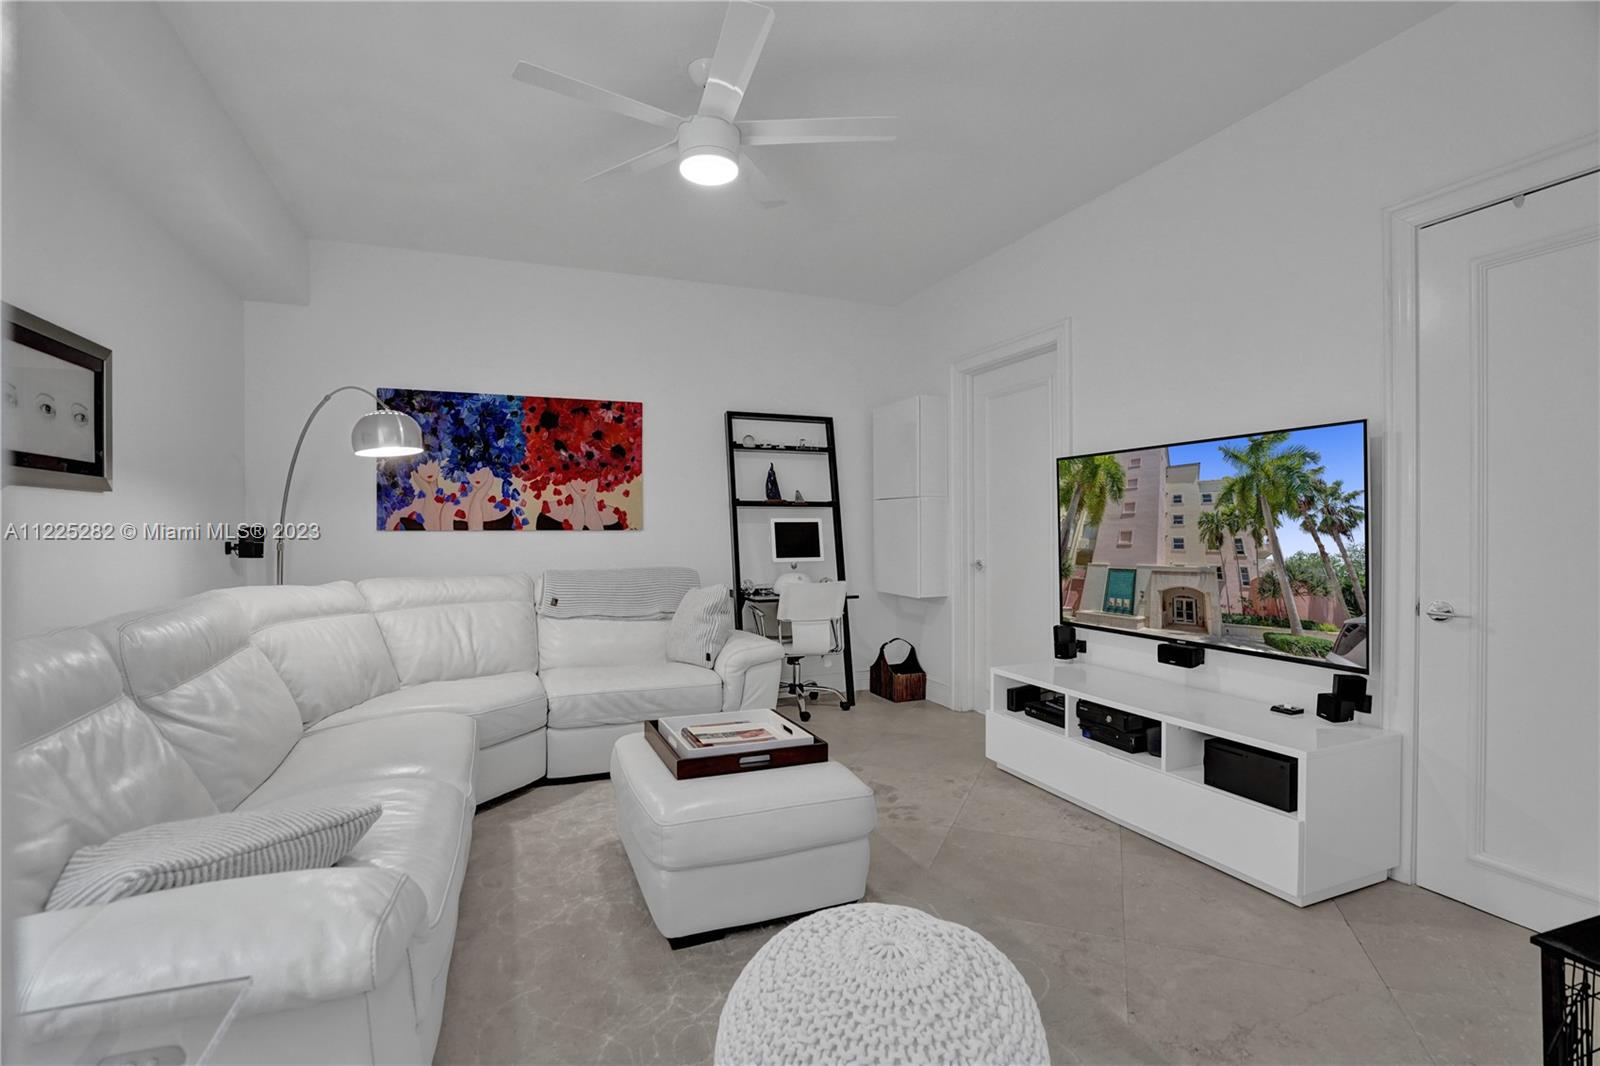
point(1134, 952)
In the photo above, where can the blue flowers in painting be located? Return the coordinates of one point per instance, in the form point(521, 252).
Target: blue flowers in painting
point(470, 441)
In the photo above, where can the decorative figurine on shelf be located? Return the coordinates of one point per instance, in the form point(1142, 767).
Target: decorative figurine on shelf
point(798, 498)
point(773, 492)
point(749, 440)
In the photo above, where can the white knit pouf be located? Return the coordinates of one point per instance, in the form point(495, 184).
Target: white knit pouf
point(873, 983)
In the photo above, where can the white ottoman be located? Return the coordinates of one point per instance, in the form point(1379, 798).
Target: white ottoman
point(879, 984)
point(720, 852)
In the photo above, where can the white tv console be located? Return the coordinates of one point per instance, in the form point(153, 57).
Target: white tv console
point(1345, 835)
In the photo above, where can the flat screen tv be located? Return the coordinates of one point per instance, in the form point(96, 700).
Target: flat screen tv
point(1254, 544)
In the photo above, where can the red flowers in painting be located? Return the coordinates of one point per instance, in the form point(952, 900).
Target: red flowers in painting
point(580, 440)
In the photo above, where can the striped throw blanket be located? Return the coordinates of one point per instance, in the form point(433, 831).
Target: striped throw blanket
point(641, 593)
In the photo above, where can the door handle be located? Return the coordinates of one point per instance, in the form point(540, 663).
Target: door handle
point(977, 564)
point(1442, 611)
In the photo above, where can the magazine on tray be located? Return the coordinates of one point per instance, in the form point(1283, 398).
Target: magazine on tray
point(731, 733)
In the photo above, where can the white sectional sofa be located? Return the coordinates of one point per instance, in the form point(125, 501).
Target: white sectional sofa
point(427, 695)
point(604, 676)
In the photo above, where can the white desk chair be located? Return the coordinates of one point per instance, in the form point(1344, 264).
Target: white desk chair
point(809, 615)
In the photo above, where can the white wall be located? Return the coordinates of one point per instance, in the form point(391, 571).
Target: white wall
point(79, 253)
point(115, 82)
point(1240, 285)
point(688, 351)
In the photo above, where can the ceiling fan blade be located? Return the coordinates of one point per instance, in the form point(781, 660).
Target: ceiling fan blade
point(817, 130)
point(744, 33)
point(660, 155)
point(760, 186)
point(545, 78)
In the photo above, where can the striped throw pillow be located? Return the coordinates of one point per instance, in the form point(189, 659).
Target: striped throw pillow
point(700, 626)
point(214, 848)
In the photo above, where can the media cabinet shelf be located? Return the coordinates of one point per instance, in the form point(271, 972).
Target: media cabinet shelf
point(1344, 835)
point(1144, 759)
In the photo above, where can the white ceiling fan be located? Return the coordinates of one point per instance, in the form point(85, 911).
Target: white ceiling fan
point(709, 145)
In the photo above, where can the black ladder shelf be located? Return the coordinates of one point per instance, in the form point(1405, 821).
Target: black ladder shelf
point(735, 448)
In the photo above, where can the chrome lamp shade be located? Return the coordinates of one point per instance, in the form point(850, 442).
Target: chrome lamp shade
point(381, 434)
point(386, 434)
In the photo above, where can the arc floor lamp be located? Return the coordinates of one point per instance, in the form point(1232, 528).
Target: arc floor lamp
point(381, 434)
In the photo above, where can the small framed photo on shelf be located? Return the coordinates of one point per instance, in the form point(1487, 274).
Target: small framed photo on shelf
point(58, 406)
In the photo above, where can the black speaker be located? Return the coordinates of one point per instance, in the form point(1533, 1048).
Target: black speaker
point(1187, 656)
point(251, 543)
point(1019, 697)
point(1349, 695)
point(1353, 687)
point(1067, 643)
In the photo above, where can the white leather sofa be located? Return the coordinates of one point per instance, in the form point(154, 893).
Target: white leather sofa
point(387, 646)
point(604, 676)
point(427, 695)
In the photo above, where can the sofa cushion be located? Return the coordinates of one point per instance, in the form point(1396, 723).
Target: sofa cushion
point(444, 628)
point(503, 705)
point(700, 626)
point(565, 642)
point(424, 831)
point(87, 764)
point(616, 695)
point(323, 641)
point(218, 847)
point(214, 695)
point(683, 825)
point(435, 747)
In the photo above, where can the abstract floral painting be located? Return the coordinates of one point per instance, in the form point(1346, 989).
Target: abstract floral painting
point(494, 461)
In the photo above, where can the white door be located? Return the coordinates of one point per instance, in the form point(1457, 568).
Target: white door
point(1508, 796)
point(1013, 499)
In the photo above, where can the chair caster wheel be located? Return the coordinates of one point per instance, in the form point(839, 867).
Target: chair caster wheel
point(805, 716)
point(813, 696)
point(843, 706)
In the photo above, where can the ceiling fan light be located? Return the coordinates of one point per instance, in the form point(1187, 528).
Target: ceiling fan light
point(708, 166)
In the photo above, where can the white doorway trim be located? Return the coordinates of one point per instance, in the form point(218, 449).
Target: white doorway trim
point(1396, 445)
point(965, 694)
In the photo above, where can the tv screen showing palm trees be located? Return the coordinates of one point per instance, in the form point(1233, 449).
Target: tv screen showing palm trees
point(1254, 544)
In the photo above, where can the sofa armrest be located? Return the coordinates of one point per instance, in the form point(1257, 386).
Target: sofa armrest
point(303, 937)
point(749, 666)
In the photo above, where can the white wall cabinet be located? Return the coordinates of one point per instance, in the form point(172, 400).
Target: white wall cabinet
point(909, 546)
point(909, 449)
point(910, 502)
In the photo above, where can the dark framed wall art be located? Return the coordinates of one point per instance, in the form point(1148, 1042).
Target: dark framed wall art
point(57, 415)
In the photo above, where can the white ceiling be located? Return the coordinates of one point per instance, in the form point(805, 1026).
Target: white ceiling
point(399, 123)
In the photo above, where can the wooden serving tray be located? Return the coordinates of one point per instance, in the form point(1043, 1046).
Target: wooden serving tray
point(685, 769)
